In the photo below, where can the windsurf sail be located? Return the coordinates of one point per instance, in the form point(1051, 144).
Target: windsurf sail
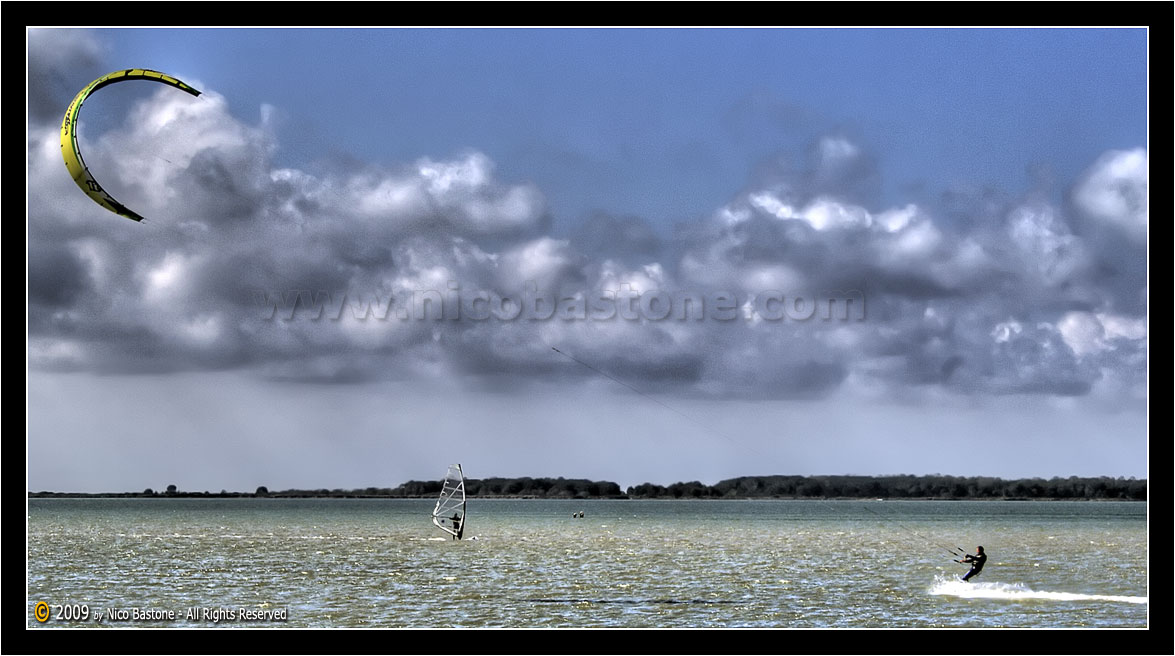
point(449, 515)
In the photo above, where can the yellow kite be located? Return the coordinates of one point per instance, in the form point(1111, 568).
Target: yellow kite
point(69, 135)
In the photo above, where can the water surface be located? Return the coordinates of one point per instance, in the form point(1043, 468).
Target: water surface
point(628, 563)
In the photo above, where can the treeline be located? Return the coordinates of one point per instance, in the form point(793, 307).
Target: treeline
point(539, 488)
point(934, 486)
point(900, 487)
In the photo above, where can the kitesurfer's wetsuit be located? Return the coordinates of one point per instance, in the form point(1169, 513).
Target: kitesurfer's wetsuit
point(976, 561)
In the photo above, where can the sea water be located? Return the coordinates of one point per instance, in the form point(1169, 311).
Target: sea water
point(185, 562)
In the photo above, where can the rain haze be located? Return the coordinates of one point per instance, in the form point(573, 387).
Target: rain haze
point(639, 255)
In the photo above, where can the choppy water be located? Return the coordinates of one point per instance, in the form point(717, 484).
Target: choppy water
point(380, 563)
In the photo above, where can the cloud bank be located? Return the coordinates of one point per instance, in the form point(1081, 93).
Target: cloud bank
point(976, 297)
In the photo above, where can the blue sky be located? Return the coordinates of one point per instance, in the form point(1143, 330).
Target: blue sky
point(983, 190)
point(668, 124)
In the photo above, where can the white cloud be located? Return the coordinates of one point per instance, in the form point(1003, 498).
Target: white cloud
point(835, 151)
point(1114, 192)
point(390, 200)
point(166, 279)
point(1046, 243)
point(896, 219)
point(1124, 327)
point(939, 301)
point(1089, 333)
point(1082, 332)
point(541, 261)
point(466, 186)
point(765, 201)
point(826, 213)
point(1004, 331)
point(465, 175)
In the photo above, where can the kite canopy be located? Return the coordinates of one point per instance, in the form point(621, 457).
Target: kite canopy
point(69, 135)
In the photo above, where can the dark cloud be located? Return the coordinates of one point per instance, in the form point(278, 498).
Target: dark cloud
point(629, 239)
point(57, 276)
point(1110, 216)
point(60, 63)
point(222, 188)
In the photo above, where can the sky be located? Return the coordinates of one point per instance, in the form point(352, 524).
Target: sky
point(633, 255)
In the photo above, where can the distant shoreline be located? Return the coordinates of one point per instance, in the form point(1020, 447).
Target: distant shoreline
point(249, 495)
point(890, 488)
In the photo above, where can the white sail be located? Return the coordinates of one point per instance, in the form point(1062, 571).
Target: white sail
point(449, 515)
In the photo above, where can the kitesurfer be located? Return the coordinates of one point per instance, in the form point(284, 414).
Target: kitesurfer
point(976, 561)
